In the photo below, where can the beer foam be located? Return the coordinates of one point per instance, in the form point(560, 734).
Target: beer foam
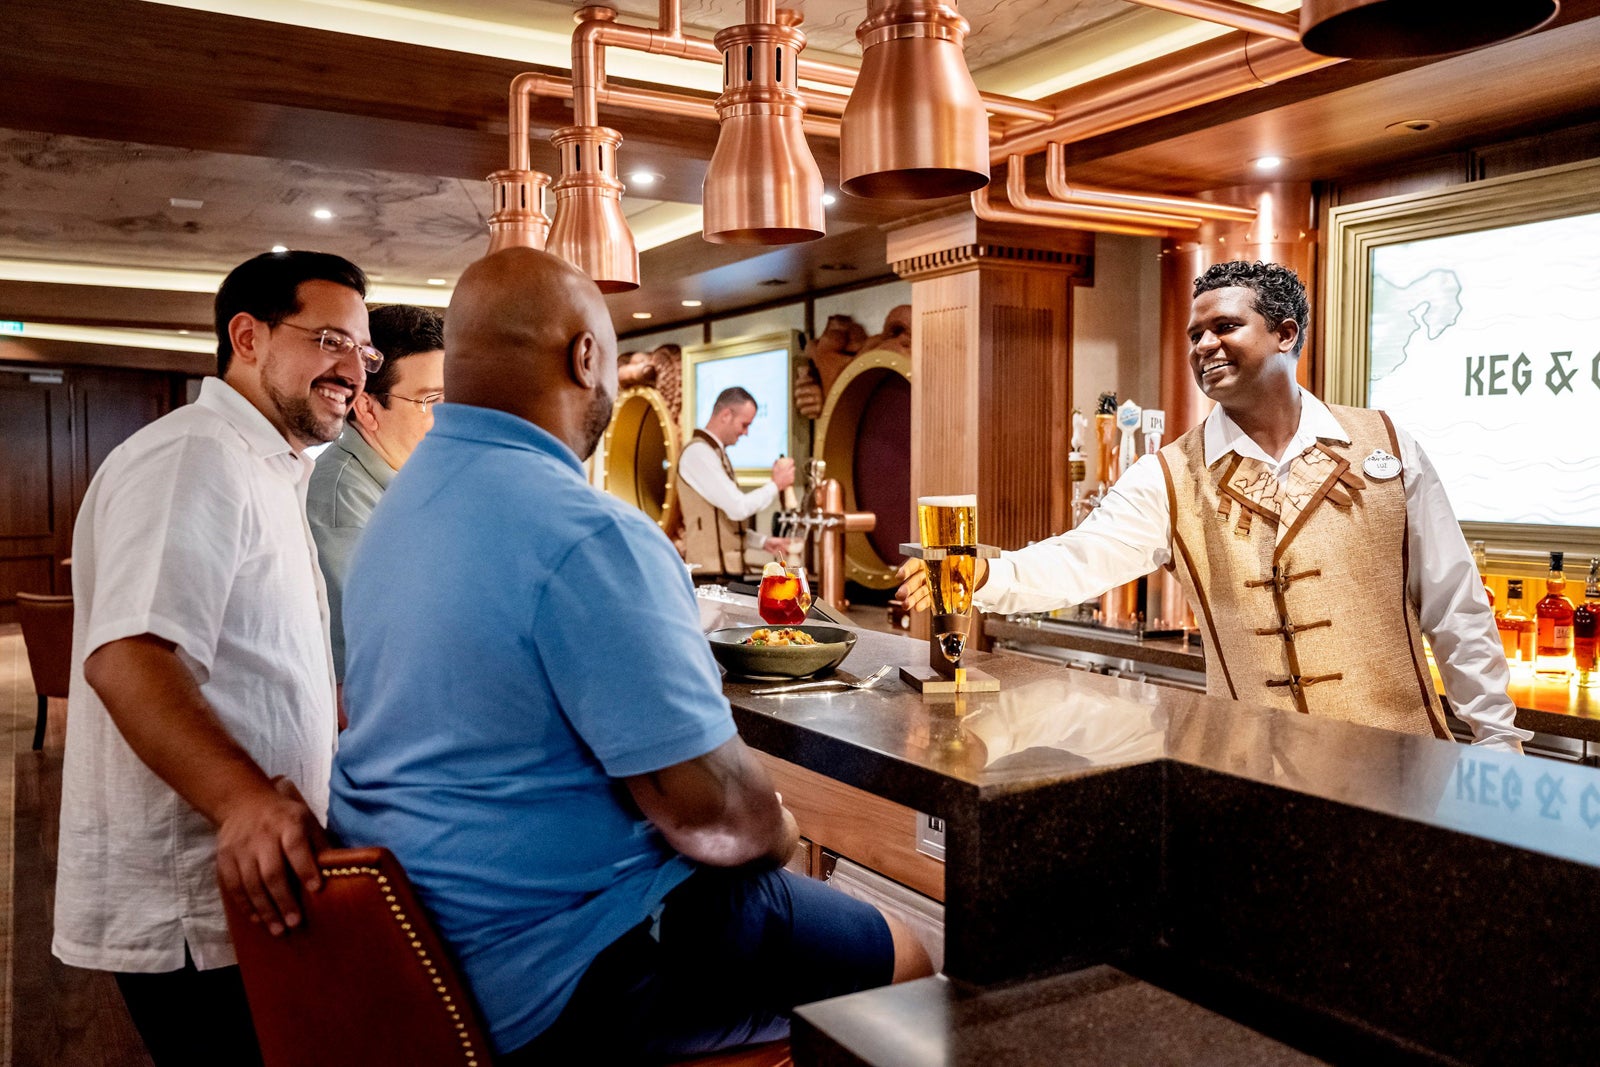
point(968, 500)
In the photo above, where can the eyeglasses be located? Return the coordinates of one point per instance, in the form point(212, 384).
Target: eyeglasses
point(340, 345)
point(425, 403)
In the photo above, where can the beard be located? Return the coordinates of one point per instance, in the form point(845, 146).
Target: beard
point(596, 419)
point(301, 418)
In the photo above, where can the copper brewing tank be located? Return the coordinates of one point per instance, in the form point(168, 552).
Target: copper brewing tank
point(762, 185)
point(915, 127)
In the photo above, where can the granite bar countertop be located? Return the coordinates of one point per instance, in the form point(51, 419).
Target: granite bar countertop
point(1429, 893)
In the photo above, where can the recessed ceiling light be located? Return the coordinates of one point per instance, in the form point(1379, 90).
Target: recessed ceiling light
point(643, 177)
point(322, 213)
point(186, 203)
point(1412, 126)
point(184, 332)
point(691, 303)
point(1269, 162)
point(280, 248)
point(643, 315)
point(437, 281)
point(828, 199)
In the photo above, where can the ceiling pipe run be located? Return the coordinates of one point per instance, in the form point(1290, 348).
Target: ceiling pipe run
point(1239, 16)
point(989, 211)
point(1138, 214)
point(1055, 180)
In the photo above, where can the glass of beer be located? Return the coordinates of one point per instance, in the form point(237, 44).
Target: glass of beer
point(950, 522)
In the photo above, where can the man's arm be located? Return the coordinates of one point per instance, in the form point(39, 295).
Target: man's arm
point(1126, 537)
point(718, 809)
point(698, 465)
point(263, 827)
point(1452, 607)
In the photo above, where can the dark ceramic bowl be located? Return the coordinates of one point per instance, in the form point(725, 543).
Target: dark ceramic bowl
point(769, 663)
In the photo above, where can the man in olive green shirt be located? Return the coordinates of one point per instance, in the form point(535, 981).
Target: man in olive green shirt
point(384, 425)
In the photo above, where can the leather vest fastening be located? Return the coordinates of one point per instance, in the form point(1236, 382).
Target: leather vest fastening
point(1300, 587)
point(710, 538)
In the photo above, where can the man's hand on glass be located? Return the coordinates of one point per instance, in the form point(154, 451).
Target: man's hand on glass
point(914, 592)
point(783, 472)
point(778, 546)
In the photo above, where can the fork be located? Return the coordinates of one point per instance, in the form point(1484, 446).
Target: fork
point(872, 680)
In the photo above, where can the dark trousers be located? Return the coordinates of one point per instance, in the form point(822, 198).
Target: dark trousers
point(191, 1018)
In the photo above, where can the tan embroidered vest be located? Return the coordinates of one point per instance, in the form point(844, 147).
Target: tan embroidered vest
point(1300, 587)
point(710, 538)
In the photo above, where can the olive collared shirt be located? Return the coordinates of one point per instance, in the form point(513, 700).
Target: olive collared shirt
point(348, 482)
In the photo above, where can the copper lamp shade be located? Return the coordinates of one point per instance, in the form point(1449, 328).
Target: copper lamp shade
point(518, 220)
point(589, 230)
point(1398, 29)
point(762, 186)
point(915, 127)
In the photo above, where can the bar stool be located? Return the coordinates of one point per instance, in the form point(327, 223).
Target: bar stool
point(366, 979)
point(47, 634)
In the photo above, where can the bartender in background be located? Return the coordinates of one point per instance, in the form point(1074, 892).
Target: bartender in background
point(718, 518)
point(1315, 542)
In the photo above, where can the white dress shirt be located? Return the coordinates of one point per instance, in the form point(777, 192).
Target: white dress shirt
point(1130, 535)
point(700, 465)
point(193, 530)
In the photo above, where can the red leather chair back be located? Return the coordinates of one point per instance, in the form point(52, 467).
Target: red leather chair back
point(47, 633)
point(364, 979)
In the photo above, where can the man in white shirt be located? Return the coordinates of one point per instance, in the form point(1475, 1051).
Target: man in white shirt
point(386, 423)
point(1316, 544)
point(203, 727)
point(718, 529)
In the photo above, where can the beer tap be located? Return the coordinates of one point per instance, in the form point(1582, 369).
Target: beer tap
point(825, 522)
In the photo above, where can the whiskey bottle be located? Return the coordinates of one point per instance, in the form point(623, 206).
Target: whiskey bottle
point(1554, 613)
point(1480, 560)
point(1516, 629)
point(1586, 630)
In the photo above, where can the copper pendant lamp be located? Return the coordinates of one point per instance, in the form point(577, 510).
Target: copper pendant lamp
point(1399, 29)
point(518, 220)
point(915, 127)
point(589, 230)
point(762, 186)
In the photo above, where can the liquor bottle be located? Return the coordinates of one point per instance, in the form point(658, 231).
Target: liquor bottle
point(1480, 560)
point(1554, 613)
point(1516, 629)
point(1586, 630)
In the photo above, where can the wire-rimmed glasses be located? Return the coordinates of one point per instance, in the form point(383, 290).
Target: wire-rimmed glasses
point(339, 344)
point(424, 402)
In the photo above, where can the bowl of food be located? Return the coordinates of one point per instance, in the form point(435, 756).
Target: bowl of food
point(768, 653)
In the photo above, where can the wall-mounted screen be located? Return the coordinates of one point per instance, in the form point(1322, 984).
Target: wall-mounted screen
point(765, 375)
point(764, 366)
point(1486, 347)
point(1471, 316)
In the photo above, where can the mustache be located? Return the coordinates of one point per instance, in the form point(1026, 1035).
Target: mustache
point(337, 379)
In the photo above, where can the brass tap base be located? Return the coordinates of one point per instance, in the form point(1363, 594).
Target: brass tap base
point(930, 682)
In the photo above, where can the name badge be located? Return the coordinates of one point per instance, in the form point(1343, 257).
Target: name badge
point(1381, 465)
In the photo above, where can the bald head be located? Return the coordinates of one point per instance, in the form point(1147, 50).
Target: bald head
point(529, 334)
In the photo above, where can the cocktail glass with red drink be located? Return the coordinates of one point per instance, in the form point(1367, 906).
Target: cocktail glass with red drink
point(785, 597)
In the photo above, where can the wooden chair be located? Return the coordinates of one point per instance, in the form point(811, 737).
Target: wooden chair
point(365, 979)
point(47, 633)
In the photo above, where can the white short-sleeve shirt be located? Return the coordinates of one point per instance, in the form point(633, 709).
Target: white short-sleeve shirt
point(193, 530)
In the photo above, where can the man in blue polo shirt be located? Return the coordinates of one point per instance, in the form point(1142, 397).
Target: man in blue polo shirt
point(537, 727)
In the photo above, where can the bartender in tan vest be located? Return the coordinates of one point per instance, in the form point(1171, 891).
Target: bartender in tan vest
point(718, 517)
point(1314, 542)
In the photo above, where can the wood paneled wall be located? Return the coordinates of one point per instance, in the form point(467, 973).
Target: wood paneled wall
point(992, 367)
point(56, 428)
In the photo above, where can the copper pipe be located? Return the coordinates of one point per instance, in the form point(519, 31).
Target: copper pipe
point(1285, 27)
point(989, 211)
point(1194, 76)
point(1017, 194)
point(1055, 180)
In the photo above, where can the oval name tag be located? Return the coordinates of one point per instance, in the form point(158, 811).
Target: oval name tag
point(1381, 465)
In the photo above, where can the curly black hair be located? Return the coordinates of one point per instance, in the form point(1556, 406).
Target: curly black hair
point(1279, 293)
